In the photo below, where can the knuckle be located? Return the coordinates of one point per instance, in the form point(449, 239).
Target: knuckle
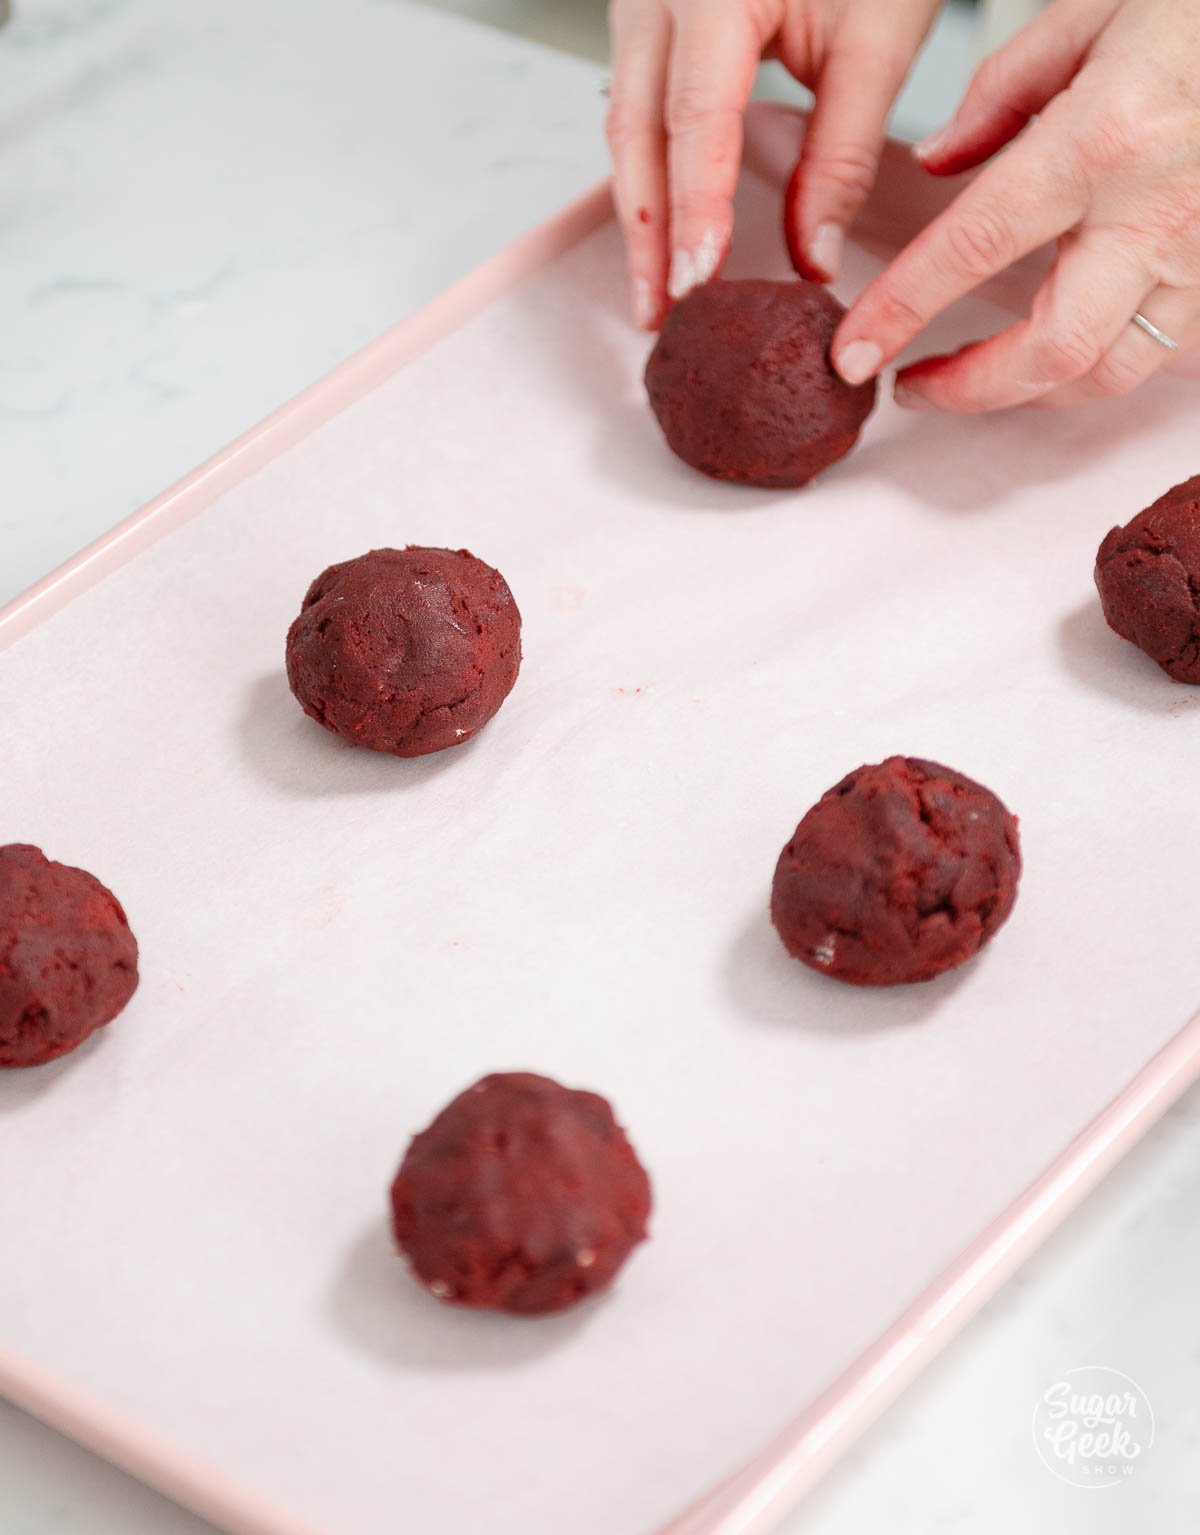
point(989, 82)
point(687, 107)
point(1064, 170)
point(1119, 136)
point(1064, 354)
point(994, 94)
point(1167, 229)
point(901, 316)
point(852, 167)
point(981, 242)
point(1116, 374)
point(623, 125)
point(690, 107)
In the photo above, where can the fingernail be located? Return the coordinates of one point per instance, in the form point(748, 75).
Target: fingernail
point(859, 361)
point(708, 254)
point(643, 303)
point(682, 278)
point(825, 249)
point(929, 148)
point(691, 268)
point(909, 399)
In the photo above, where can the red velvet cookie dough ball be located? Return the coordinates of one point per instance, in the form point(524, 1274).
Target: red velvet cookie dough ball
point(743, 388)
point(68, 962)
point(521, 1196)
point(1148, 575)
point(901, 871)
point(405, 651)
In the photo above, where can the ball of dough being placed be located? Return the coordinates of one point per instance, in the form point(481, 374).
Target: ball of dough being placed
point(742, 385)
point(405, 651)
point(901, 871)
point(1148, 575)
point(68, 962)
point(521, 1196)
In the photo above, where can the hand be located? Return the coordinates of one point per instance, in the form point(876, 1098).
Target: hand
point(1111, 169)
point(682, 75)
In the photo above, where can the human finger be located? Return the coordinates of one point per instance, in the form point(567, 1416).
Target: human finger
point(1079, 312)
point(641, 39)
point(865, 67)
point(1137, 356)
point(714, 55)
point(1015, 83)
point(1027, 198)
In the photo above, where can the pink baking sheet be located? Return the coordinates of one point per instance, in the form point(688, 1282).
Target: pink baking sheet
point(197, 1276)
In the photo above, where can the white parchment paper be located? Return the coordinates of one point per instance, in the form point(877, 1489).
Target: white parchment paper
point(192, 1208)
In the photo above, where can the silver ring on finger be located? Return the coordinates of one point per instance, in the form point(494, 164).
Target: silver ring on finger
point(1154, 333)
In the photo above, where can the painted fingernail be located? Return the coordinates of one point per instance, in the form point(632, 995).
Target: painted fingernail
point(643, 303)
point(929, 148)
point(690, 268)
point(909, 399)
point(825, 249)
point(859, 361)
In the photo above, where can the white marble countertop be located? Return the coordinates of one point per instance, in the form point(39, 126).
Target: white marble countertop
point(204, 207)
